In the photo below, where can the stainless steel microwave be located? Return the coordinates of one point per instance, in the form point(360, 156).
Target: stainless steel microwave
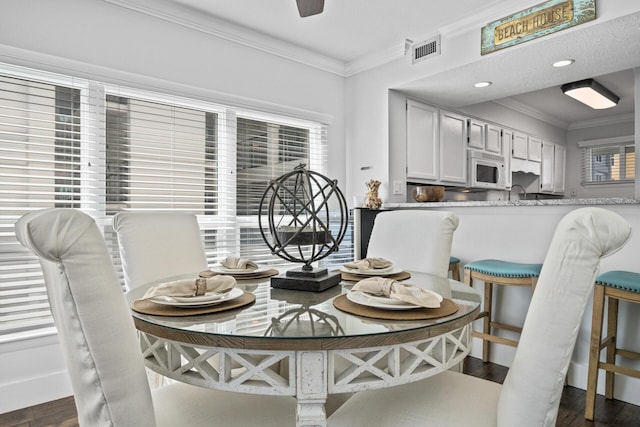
point(486, 171)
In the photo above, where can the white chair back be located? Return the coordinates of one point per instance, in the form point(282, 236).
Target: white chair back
point(157, 245)
point(92, 317)
point(416, 240)
point(530, 396)
point(531, 393)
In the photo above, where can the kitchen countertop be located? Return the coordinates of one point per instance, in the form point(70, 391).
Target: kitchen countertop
point(544, 202)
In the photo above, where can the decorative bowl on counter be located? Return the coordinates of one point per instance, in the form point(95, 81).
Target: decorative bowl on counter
point(428, 193)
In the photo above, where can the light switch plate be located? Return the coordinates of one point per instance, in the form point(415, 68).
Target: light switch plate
point(398, 187)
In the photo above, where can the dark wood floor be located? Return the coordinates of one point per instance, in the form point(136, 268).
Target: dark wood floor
point(62, 413)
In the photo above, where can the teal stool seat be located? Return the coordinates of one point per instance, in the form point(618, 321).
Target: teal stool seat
point(454, 268)
point(498, 272)
point(624, 280)
point(612, 286)
point(499, 268)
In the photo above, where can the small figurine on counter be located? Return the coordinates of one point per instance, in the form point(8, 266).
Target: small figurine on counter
point(373, 201)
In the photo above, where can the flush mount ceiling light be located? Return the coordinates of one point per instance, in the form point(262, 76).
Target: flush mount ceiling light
point(591, 93)
point(563, 63)
point(482, 84)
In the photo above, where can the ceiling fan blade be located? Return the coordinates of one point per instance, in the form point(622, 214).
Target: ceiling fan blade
point(310, 7)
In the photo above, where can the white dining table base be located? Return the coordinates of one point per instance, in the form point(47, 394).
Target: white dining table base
point(309, 375)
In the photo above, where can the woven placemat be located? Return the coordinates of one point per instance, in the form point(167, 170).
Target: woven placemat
point(447, 308)
point(149, 307)
point(349, 277)
point(249, 276)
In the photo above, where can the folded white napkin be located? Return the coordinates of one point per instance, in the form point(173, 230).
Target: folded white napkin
point(379, 286)
point(237, 263)
point(188, 288)
point(377, 264)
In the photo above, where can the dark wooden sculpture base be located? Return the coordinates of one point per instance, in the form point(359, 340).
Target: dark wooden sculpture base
point(312, 282)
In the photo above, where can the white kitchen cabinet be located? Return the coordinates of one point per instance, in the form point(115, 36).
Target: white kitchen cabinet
point(560, 159)
point(493, 139)
point(477, 134)
point(520, 146)
point(552, 168)
point(535, 149)
point(547, 167)
point(507, 142)
point(423, 146)
point(453, 148)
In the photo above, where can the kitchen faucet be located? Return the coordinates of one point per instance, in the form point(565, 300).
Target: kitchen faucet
point(524, 192)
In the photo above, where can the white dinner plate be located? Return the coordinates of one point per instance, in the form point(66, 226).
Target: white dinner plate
point(199, 301)
point(239, 271)
point(383, 272)
point(371, 301)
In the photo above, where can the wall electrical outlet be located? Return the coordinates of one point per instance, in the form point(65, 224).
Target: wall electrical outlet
point(398, 187)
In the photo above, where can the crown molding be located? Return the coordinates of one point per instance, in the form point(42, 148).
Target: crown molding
point(373, 60)
point(525, 109)
point(614, 120)
point(584, 124)
point(179, 15)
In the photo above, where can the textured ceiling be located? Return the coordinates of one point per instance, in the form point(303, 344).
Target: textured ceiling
point(600, 51)
point(350, 30)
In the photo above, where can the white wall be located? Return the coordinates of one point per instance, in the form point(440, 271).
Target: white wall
point(95, 39)
point(574, 161)
point(368, 102)
point(523, 234)
point(98, 40)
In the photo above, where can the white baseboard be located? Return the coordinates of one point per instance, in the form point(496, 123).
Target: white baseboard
point(34, 391)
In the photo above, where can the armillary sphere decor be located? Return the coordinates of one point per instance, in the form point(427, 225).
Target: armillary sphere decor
point(307, 219)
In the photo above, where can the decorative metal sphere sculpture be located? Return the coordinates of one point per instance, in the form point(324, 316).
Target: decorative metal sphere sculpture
point(307, 217)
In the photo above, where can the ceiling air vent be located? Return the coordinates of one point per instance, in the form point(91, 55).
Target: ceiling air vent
point(425, 49)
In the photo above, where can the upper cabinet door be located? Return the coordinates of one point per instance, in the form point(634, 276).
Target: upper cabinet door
point(422, 141)
point(476, 134)
point(453, 148)
point(493, 140)
point(535, 149)
point(560, 158)
point(547, 167)
point(507, 143)
point(519, 147)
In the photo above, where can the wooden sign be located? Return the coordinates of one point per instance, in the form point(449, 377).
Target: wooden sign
point(537, 21)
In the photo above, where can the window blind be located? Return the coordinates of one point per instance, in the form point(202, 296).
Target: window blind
point(608, 161)
point(42, 144)
point(103, 149)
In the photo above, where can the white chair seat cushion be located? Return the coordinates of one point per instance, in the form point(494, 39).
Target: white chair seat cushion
point(178, 405)
point(474, 404)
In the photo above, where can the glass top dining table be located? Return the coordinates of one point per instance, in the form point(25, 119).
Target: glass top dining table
point(297, 343)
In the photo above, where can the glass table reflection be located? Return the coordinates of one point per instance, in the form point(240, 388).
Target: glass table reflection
point(298, 344)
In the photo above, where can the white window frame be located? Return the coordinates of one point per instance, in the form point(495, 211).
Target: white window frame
point(586, 147)
point(93, 161)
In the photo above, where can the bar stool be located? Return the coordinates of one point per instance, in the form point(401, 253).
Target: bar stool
point(616, 286)
point(454, 268)
point(497, 272)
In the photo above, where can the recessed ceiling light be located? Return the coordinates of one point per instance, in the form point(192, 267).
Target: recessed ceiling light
point(482, 84)
point(563, 62)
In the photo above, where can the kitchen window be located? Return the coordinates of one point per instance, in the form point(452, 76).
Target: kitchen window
point(67, 142)
point(608, 160)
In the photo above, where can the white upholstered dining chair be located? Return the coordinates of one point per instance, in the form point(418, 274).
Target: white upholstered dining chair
point(157, 245)
point(416, 240)
point(530, 395)
point(99, 342)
